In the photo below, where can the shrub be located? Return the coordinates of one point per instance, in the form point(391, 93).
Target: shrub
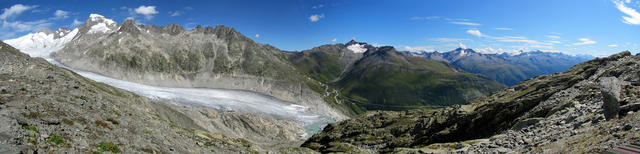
point(55, 139)
point(109, 146)
point(31, 128)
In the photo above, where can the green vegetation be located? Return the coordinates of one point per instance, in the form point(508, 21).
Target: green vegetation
point(31, 128)
point(109, 146)
point(55, 139)
point(83, 98)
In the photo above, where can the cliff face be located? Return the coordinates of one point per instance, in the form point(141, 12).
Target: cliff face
point(208, 57)
point(46, 108)
point(562, 112)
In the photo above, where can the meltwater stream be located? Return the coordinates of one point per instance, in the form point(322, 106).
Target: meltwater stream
point(220, 99)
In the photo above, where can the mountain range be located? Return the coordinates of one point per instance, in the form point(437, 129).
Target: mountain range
point(381, 100)
point(507, 68)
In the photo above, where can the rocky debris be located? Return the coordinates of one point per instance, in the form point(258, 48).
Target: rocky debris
point(558, 113)
point(44, 108)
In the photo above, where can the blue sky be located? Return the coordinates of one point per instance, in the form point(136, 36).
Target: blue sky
point(595, 27)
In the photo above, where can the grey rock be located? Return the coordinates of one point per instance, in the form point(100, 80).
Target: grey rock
point(610, 87)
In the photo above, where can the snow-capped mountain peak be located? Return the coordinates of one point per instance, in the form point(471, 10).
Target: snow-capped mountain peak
point(44, 42)
point(99, 24)
point(100, 18)
point(357, 48)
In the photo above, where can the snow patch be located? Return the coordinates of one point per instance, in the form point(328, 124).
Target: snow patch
point(99, 28)
point(41, 44)
point(97, 17)
point(462, 53)
point(357, 48)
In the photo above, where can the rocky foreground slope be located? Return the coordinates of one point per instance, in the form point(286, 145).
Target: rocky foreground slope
point(590, 108)
point(48, 108)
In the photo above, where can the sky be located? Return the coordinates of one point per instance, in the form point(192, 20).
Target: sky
point(576, 27)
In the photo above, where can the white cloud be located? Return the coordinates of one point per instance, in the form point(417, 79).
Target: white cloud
point(449, 39)
point(15, 10)
point(175, 13)
point(59, 14)
point(334, 40)
point(419, 48)
point(632, 18)
point(555, 42)
point(585, 41)
point(490, 50)
point(465, 23)
point(423, 18)
point(76, 22)
point(503, 28)
point(612, 45)
point(316, 17)
point(317, 6)
point(553, 36)
point(257, 36)
point(475, 32)
point(462, 45)
point(147, 11)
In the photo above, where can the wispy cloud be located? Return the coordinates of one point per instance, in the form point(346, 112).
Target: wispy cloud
point(465, 23)
point(612, 45)
point(316, 17)
point(10, 27)
point(257, 36)
point(449, 39)
point(147, 11)
point(59, 14)
point(419, 48)
point(179, 12)
point(585, 41)
point(15, 10)
point(555, 42)
point(76, 22)
point(553, 36)
point(175, 13)
point(317, 6)
point(633, 17)
point(424, 18)
point(503, 28)
point(334, 40)
point(475, 32)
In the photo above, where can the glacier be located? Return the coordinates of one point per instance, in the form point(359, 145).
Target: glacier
point(42, 45)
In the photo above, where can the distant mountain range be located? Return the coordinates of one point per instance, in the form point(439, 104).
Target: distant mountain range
point(508, 69)
point(381, 78)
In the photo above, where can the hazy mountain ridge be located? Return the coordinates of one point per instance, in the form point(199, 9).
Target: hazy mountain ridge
point(506, 68)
